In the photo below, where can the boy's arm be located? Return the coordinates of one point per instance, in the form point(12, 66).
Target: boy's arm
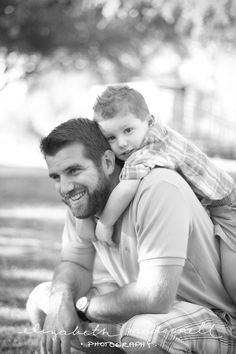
point(118, 201)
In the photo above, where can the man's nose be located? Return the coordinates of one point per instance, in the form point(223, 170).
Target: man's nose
point(66, 185)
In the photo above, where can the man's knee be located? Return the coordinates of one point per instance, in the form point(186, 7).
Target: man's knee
point(138, 335)
point(182, 330)
point(133, 345)
point(152, 333)
point(38, 302)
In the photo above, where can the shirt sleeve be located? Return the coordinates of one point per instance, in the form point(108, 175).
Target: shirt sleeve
point(163, 224)
point(74, 247)
point(142, 161)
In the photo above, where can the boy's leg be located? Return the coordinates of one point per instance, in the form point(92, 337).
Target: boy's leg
point(187, 328)
point(228, 262)
point(225, 217)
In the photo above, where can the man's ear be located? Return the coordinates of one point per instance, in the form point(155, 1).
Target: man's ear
point(108, 162)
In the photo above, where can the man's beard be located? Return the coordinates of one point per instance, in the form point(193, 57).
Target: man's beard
point(96, 200)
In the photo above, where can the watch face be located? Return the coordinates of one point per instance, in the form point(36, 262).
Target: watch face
point(82, 304)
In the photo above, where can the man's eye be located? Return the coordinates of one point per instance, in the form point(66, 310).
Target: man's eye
point(55, 178)
point(74, 171)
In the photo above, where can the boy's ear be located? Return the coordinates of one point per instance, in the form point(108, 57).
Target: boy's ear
point(108, 162)
point(151, 120)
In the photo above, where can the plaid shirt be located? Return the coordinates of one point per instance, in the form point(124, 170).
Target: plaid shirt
point(164, 147)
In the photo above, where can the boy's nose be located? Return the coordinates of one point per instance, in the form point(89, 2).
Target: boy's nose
point(121, 142)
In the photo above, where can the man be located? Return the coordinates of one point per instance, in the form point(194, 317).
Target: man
point(159, 290)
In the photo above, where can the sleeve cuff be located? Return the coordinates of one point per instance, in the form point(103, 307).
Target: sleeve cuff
point(164, 261)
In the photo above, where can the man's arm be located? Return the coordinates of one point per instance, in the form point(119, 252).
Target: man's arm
point(162, 222)
point(69, 283)
point(154, 292)
point(72, 279)
point(74, 274)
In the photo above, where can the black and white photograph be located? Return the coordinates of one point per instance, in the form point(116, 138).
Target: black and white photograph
point(118, 176)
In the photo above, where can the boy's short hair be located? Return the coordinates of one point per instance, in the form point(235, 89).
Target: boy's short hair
point(78, 130)
point(117, 99)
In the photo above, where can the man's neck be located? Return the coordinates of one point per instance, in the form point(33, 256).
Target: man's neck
point(114, 180)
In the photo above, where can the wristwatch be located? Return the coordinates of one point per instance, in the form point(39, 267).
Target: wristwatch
point(81, 307)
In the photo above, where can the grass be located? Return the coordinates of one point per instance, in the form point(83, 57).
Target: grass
point(29, 251)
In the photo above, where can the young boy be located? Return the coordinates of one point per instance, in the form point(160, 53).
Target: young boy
point(143, 144)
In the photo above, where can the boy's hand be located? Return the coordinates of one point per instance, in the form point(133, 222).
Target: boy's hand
point(104, 233)
point(87, 229)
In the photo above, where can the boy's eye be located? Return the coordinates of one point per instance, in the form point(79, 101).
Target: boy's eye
point(128, 130)
point(110, 139)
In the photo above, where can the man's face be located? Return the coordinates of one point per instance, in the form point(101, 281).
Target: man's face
point(81, 184)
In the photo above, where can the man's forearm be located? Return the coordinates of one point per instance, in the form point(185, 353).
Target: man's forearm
point(70, 280)
point(154, 292)
point(120, 305)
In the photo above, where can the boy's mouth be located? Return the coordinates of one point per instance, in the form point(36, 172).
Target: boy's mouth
point(127, 154)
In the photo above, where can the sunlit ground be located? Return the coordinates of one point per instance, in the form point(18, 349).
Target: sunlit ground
point(31, 222)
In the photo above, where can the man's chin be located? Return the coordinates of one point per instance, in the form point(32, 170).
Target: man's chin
point(79, 213)
point(76, 211)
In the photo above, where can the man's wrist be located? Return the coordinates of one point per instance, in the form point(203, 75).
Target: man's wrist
point(82, 306)
point(58, 295)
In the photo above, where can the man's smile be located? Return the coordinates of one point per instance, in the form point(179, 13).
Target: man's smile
point(74, 198)
point(77, 196)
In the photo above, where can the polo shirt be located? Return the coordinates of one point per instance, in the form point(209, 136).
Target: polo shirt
point(164, 225)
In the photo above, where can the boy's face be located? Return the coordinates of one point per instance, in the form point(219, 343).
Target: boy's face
point(125, 133)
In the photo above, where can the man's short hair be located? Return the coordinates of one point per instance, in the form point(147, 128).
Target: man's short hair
point(120, 99)
point(79, 130)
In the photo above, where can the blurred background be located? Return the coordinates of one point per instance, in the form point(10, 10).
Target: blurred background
point(55, 57)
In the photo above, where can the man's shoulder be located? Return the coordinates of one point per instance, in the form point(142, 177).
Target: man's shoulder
point(159, 175)
point(165, 184)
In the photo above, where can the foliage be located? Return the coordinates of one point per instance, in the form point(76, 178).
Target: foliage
point(121, 34)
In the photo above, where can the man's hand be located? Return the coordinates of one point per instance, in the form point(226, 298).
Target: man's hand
point(60, 322)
